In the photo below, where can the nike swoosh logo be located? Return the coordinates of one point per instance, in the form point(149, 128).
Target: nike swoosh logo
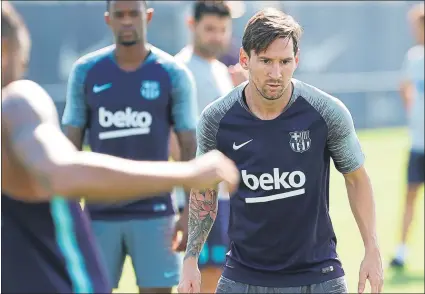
point(169, 274)
point(237, 147)
point(97, 89)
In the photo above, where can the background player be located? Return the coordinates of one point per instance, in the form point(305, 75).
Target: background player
point(128, 95)
point(412, 92)
point(47, 246)
point(211, 27)
point(281, 133)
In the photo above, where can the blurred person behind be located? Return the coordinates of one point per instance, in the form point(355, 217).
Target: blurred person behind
point(210, 45)
point(211, 27)
point(412, 93)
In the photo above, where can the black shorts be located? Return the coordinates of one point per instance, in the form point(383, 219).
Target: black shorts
point(416, 168)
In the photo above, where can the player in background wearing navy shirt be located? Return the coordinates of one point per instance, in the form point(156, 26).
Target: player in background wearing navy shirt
point(128, 96)
point(281, 133)
point(47, 245)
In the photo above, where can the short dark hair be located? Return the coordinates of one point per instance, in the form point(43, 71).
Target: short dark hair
point(218, 8)
point(268, 25)
point(108, 4)
point(12, 25)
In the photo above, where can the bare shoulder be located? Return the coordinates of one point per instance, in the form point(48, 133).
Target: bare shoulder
point(25, 100)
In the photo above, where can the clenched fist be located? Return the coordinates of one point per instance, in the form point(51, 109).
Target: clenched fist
point(212, 168)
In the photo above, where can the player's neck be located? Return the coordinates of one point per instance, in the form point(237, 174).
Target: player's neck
point(131, 56)
point(266, 109)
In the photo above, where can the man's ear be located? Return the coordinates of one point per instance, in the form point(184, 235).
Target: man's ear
point(190, 21)
point(243, 58)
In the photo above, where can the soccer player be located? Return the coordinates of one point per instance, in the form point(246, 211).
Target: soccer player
point(128, 96)
point(412, 92)
point(47, 246)
point(211, 26)
point(281, 133)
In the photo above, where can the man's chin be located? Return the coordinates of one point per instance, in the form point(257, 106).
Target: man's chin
point(128, 43)
point(272, 96)
point(211, 53)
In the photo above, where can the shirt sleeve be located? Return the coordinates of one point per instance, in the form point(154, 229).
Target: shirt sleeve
point(343, 143)
point(76, 110)
point(206, 132)
point(184, 103)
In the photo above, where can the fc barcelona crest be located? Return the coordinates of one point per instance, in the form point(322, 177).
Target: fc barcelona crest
point(150, 90)
point(300, 141)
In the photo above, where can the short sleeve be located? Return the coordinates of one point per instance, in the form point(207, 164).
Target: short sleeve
point(206, 133)
point(184, 103)
point(75, 112)
point(342, 141)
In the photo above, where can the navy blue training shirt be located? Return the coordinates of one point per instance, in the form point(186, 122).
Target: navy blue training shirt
point(129, 115)
point(280, 230)
point(49, 248)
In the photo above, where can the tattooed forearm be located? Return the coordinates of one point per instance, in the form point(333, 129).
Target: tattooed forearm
point(202, 214)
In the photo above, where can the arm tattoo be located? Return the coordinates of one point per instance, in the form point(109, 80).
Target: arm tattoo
point(202, 214)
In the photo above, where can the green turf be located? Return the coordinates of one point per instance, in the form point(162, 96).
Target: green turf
point(386, 156)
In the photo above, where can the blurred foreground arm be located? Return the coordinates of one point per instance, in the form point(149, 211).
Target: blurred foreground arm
point(30, 120)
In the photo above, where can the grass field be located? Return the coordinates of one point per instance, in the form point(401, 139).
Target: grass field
point(386, 157)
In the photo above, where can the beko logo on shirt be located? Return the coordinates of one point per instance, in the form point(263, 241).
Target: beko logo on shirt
point(277, 180)
point(131, 122)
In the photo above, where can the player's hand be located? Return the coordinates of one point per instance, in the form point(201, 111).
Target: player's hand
point(371, 269)
point(190, 280)
point(212, 168)
point(238, 74)
point(179, 244)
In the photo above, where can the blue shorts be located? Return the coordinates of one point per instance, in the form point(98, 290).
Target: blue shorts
point(148, 242)
point(217, 245)
point(416, 168)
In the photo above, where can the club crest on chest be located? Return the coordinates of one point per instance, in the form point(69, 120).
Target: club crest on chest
point(300, 141)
